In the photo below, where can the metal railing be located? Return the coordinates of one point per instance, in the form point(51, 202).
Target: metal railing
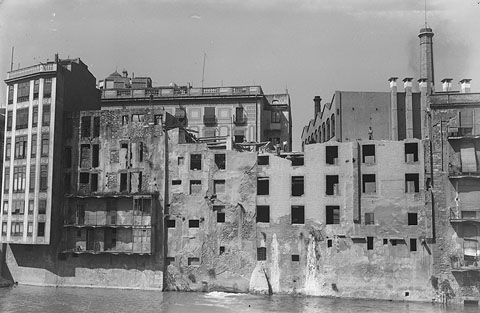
point(48, 67)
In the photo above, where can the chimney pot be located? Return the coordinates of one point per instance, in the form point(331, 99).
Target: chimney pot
point(407, 82)
point(393, 81)
point(422, 83)
point(446, 84)
point(465, 85)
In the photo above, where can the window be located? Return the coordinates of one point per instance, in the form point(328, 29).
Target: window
point(276, 116)
point(327, 135)
point(262, 186)
point(18, 207)
point(138, 118)
point(35, 116)
point(368, 154)
point(332, 119)
point(96, 126)
point(263, 160)
point(193, 223)
point(239, 115)
point(123, 182)
point(221, 250)
point(22, 119)
point(411, 152)
point(47, 88)
point(298, 214)
point(95, 155)
point(219, 186)
point(23, 91)
point(170, 260)
point(41, 230)
point(157, 119)
point(85, 156)
point(329, 243)
point(30, 229)
point(220, 209)
point(412, 219)
point(31, 206)
point(411, 183)
point(140, 151)
point(17, 229)
point(195, 187)
point(261, 254)
point(196, 162)
point(171, 223)
point(369, 219)
point(43, 177)
point(369, 243)
point(32, 177)
point(124, 119)
point(46, 115)
point(45, 145)
point(368, 183)
point(176, 182)
point(295, 258)
point(4, 228)
point(333, 214)
point(5, 207)
point(180, 161)
point(263, 214)
point(297, 160)
point(36, 87)
point(86, 126)
point(331, 154)
point(42, 206)
point(209, 116)
point(19, 178)
point(20, 147)
point(9, 120)
point(297, 186)
point(84, 178)
point(6, 184)
point(94, 182)
point(34, 146)
point(413, 244)
point(220, 161)
point(332, 185)
point(8, 148)
point(10, 94)
point(193, 261)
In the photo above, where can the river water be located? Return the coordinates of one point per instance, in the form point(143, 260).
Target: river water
point(56, 300)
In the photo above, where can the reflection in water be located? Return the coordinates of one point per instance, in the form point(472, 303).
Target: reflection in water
point(56, 300)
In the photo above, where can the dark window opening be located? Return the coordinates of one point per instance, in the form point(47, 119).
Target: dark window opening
point(263, 214)
point(298, 214)
point(176, 182)
point(220, 161)
point(261, 254)
point(180, 161)
point(171, 223)
point(196, 162)
point(36, 87)
point(368, 154)
point(369, 243)
point(170, 260)
point(194, 223)
point(123, 182)
point(331, 154)
point(368, 183)
point(20, 147)
point(263, 160)
point(9, 120)
point(96, 126)
point(45, 145)
point(411, 183)
point(297, 160)
point(193, 261)
point(332, 185)
point(220, 217)
point(297, 186)
point(22, 119)
point(95, 155)
point(195, 187)
point(41, 230)
point(222, 250)
point(86, 125)
point(34, 145)
point(413, 244)
point(85, 156)
point(411, 152)
point(385, 241)
point(333, 214)
point(125, 119)
point(46, 115)
point(43, 177)
point(84, 178)
point(47, 88)
point(295, 258)
point(393, 242)
point(140, 152)
point(412, 219)
point(35, 117)
point(42, 206)
point(94, 183)
point(369, 219)
point(239, 138)
point(263, 186)
point(8, 148)
point(329, 243)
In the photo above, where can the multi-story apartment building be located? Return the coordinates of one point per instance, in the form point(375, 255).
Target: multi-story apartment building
point(32, 187)
point(243, 112)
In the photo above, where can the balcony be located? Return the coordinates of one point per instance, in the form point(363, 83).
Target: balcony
point(240, 119)
point(40, 68)
point(461, 133)
point(209, 120)
point(458, 215)
point(455, 172)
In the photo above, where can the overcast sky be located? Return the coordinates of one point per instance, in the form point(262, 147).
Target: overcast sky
point(311, 47)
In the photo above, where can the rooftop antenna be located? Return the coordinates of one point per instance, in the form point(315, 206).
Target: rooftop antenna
point(203, 72)
point(11, 60)
point(426, 14)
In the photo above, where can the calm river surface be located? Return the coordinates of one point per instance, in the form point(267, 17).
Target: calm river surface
point(55, 300)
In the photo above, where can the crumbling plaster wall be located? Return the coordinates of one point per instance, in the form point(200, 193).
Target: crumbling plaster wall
point(229, 270)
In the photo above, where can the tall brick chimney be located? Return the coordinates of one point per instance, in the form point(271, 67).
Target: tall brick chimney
point(465, 85)
point(426, 57)
point(316, 102)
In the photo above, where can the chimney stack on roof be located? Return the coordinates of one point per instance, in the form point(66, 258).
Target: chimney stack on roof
point(407, 82)
point(317, 104)
point(465, 85)
point(125, 73)
point(446, 84)
point(393, 81)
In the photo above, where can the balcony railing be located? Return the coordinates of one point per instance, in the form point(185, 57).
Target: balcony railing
point(209, 120)
point(108, 219)
point(240, 119)
point(460, 132)
point(464, 215)
point(49, 67)
point(179, 92)
point(456, 172)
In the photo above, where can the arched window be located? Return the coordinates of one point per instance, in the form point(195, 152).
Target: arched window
point(333, 125)
point(328, 129)
point(323, 132)
point(316, 135)
point(319, 135)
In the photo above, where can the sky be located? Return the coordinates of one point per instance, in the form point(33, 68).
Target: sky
point(308, 47)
